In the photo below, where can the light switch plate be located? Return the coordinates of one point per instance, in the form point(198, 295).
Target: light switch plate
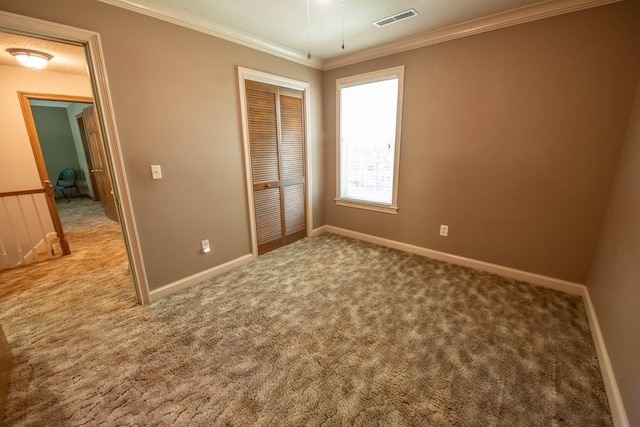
point(206, 248)
point(156, 172)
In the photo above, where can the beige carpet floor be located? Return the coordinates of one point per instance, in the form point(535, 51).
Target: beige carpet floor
point(327, 331)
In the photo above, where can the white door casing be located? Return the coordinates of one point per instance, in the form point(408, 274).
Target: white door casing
point(28, 26)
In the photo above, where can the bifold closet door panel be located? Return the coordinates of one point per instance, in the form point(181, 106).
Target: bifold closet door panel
point(268, 215)
point(293, 162)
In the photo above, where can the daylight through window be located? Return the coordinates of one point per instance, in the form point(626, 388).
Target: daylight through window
point(369, 113)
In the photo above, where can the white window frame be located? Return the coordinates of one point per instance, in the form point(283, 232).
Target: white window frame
point(386, 74)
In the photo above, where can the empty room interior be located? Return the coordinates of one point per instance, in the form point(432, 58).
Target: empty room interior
point(309, 212)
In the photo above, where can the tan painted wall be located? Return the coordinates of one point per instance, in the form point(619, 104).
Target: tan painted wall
point(175, 96)
point(614, 283)
point(510, 137)
point(17, 166)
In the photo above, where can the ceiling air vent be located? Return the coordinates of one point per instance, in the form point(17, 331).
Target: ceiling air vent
point(396, 18)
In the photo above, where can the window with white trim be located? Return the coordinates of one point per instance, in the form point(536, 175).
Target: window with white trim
point(369, 112)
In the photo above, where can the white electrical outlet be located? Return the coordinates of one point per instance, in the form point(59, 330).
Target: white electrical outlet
point(156, 172)
point(444, 230)
point(206, 248)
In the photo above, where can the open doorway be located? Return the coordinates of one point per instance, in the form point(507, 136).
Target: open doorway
point(69, 140)
point(61, 144)
point(93, 230)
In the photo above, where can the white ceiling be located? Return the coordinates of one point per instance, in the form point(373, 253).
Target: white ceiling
point(280, 26)
point(285, 21)
point(67, 58)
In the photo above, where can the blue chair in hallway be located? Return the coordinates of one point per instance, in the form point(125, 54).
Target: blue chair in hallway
point(67, 181)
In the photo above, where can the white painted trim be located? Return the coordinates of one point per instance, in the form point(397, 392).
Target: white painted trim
point(116, 162)
point(542, 10)
point(200, 277)
point(193, 21)
point(273, 79)
point(247, 163)
point(361, 79)
point(616, 405)
point(308, 169)
point(259, 76)
point(512, 273)
point(35, 27)
point(366, 206)
point(318, 231)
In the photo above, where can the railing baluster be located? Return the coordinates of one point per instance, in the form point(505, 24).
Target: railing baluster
point(26, 227)
point(13, 231)
point(5, 255)
point(43, 232)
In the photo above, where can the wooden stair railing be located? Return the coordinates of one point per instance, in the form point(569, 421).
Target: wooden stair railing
point(47, 190)
point(55, 218)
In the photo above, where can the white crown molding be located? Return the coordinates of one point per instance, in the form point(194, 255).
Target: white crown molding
point(184, 18)
point(509, 18)
point(26, 25)
point(214, 28)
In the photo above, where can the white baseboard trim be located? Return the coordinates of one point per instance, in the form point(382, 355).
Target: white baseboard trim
point(616, 405)
point(618, 413)
point(192, 280)
point(318, 231)
point(512, 273)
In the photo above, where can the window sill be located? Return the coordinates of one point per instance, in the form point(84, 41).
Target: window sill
point(367, 206)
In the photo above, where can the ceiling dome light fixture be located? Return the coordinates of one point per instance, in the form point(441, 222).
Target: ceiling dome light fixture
point(31, 58)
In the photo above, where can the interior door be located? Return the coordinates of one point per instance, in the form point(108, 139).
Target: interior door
point(87, 155)
point(276, 140)
point(100, 169)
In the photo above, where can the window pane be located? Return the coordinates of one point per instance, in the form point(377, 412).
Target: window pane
point(368, 114)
